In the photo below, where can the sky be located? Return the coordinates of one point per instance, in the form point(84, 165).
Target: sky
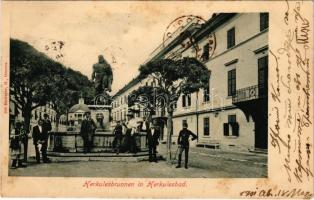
point(126, 33)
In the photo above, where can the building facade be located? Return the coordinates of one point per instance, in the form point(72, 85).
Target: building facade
point(77, 111)
point(231, 113)
point(37, 113)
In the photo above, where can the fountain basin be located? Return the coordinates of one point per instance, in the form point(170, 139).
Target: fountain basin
point(72, 142)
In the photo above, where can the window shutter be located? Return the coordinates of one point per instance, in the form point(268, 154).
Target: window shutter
point(206, 52)
point(235, 128)
point(183, 101)
point(226, 129)
point(189, 99)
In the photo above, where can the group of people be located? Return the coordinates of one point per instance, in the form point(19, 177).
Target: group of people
point(153, 134)
point(124, 139)
point(127, 142)
point(125, 135)
point(19, 142)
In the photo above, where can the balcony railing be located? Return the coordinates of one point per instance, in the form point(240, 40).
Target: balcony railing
point(249, 93)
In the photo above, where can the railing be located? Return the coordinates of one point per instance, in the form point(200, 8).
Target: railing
point(73, 142)
point(249, 93)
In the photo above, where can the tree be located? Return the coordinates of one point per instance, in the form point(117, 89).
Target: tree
point(36, 80)
point(149, 97)
point(68, 86)
point(175, 77)
point(29, 78)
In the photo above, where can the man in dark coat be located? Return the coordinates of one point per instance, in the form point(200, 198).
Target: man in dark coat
point(153, 134)
point(46, 123)
point(88, 128)
point(117, 137)
point(40, 138)
point(183, 141)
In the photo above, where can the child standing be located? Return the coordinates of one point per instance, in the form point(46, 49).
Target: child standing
point(16, 137)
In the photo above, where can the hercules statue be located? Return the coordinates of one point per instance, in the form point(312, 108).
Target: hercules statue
point(102, 76)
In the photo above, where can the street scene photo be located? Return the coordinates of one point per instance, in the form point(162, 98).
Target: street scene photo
point(127, 94)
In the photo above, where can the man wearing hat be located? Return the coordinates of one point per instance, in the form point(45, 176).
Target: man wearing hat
point(153, 134)
point(40, 141)
point(118, 135)
point(88, 128)
point(46, 123)
point(183, 141)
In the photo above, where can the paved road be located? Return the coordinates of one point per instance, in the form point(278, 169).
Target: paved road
point(124, 169)
point(226, 163)
point(205, 163)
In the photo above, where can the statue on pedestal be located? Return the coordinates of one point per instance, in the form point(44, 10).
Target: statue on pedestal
point(102, 76)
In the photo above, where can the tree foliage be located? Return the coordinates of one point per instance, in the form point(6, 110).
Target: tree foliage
point(35, 80)
point(175, 77)
point(150, 98)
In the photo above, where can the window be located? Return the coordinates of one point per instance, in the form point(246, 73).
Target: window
point(263, 18)
point(232, 118)
point(262, 70)
point(189, 99)
point(184, 122)
point(205, 55)
point(186, 100)
point(206, 94)
point(231, 38)
point(232, 127)
point(232, 82)
point(262, 75)
point(206, 126)
point(183, 101)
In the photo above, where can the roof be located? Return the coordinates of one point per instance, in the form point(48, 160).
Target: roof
point(127, 86)
point(78, 107)
point(198, 32)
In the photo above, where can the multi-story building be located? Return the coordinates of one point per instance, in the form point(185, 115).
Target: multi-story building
point(37, 113)
point(232, 111)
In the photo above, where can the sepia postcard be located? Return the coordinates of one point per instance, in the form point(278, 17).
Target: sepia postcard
point(157, 99)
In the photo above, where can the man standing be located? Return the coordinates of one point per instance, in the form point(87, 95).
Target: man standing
point(183, 141)
point(117, 137)
point(131, 128)
point(40, 138)
point(46, 123)
point(153, 134)
point(87, 131)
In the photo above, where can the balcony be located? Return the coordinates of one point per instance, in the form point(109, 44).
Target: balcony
point(249, 93)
